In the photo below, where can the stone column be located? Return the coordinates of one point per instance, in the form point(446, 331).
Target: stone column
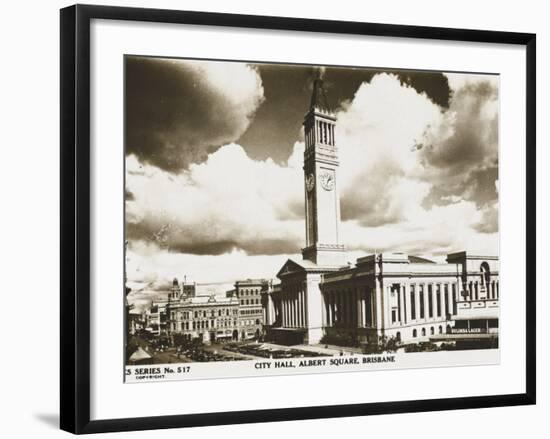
point(362, 313)
point(378, 302)
point(303, 307)
point(300, 309)
point(443, 301)
point(336, 310)
point(273, 311)
point(356, 308)
point(363, 291)
point(426, 303)
point(374, 306)
point(404, 307)
point(387, 308)
point(317, 131)
point(289, 309)
point(283, 308)
point(329, 309)
point(408, 306)
point(434, 302)
point(295, 308)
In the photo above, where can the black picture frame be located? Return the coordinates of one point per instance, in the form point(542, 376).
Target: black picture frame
point(75, 217)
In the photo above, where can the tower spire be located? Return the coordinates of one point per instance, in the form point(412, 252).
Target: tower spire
point(319, 99)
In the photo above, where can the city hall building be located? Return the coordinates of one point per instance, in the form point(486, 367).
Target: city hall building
point(322, 297)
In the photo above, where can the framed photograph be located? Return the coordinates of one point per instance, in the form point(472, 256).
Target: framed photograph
point(273, 218)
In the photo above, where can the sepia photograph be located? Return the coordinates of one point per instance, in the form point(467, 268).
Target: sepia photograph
point(289, 218)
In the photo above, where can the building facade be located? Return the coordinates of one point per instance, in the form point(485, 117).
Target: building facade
point(182, 289)
point(251, 314)
point(155, 318)
point(236, 316)
point(383, 295)
point(208, 318)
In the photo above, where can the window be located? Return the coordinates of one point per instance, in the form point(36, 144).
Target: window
point(438, 299)
point(430, 302)
point(398, 336)
point(447, 299)
point(423, 332)
point(414, 333)
point(432, 331)
point(440, 329)
point(393, 315)
point(421, 297)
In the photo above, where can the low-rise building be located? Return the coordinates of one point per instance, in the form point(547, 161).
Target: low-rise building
point(136, 321)
point(155, 317)
point(251, 315)
point(209, 318)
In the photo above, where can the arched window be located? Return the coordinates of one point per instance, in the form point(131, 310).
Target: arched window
point(440, 329)
point(486, 278)
point(448, 329)
point(423, 332)
point(398, 336)
point(432, 331)
point(414, 333)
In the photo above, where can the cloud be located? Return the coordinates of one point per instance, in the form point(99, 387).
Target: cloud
point(401, 152)
point(229, 202)
point(376, 134)
point(178, 111)
point(414, 177)
point(460, 152)
point(214, 274)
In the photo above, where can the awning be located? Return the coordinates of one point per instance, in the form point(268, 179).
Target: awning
point(139, 354)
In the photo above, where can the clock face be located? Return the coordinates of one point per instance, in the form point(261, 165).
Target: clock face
point(327, 181)
point(310, 182)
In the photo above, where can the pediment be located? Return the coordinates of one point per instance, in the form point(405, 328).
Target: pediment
point(290, 267)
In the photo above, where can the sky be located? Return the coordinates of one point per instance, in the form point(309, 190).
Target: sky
point(214, 155)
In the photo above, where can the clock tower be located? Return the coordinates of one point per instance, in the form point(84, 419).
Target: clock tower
point(322, 201)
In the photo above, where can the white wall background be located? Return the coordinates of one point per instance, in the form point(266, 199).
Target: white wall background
point(29, 200)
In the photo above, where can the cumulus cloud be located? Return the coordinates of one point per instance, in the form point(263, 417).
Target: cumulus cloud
point(459, 153)
point(376, 135)
point(228, 202)
point(152, 270)
point(414, 177)
point(178, 111)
